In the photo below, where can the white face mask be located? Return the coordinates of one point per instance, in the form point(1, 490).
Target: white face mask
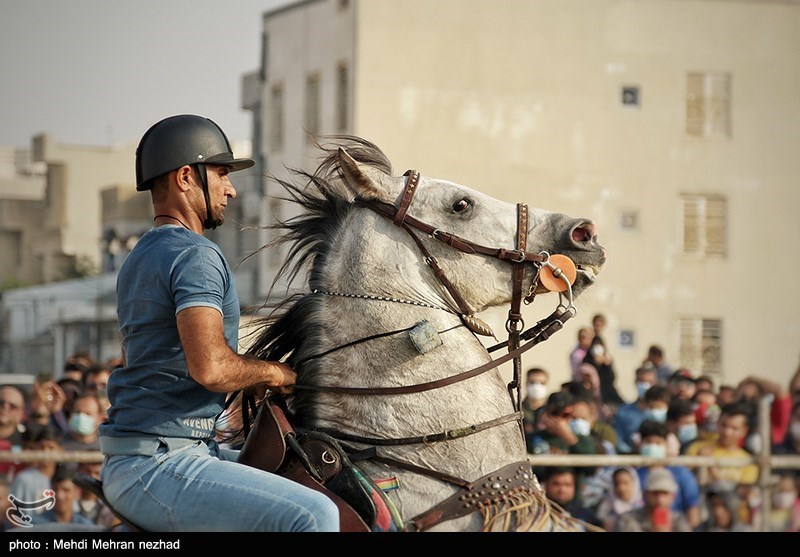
point(652, 449)
point(687, 433)
point(753, 443)
point(641, 388)
point(783, 499)
point(82, 424)
point(656, 414)
point(579, 426)
point(537, 391)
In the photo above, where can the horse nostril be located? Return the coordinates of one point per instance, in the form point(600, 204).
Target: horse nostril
point(584, 233)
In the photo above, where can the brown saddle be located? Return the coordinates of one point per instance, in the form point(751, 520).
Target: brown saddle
point(317, 461)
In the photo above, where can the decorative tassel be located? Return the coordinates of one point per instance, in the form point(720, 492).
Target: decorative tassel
point(477, 326)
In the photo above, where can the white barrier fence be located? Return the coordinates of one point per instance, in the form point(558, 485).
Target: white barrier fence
point(766, 465)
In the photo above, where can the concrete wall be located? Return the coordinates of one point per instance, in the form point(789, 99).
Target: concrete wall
point(521, 100)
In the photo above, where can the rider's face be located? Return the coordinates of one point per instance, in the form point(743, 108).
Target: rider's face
point(220, 190)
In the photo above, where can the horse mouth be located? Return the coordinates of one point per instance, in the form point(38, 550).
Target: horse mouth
point(588, 272)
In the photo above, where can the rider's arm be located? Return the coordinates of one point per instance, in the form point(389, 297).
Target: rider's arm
point(213, 364)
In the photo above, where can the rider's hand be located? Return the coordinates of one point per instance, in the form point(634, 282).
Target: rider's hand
point(281, 379)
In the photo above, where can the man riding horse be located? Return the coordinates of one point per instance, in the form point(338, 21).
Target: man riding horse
point(179, 316)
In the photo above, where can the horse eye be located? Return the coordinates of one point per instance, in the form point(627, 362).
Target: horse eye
point(461, 205)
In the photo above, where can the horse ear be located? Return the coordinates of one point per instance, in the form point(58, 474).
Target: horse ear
point(363, 181)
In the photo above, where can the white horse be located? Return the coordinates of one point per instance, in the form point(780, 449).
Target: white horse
point(384, 337)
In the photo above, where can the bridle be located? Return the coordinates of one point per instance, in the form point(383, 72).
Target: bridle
point(520, 258)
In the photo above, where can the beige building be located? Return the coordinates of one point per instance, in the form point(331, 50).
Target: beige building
point(68, 211)
point(672, 123)
point(22, 185)
point(53, 229)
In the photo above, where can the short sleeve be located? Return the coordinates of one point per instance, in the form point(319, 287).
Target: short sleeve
point(199, 278)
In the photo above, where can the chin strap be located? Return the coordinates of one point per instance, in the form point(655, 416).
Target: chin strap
point(208, 223)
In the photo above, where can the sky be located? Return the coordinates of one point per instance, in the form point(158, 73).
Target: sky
point(100, 72)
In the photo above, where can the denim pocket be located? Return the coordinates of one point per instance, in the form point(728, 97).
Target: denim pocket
point(163, 453)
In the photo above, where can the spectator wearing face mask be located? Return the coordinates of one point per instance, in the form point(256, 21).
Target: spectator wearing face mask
point(784, 501)
point(594, 482)
point(681, 425)
point(654, 407)
point(628, 416)
point(706, 413)
point(533, 403)
point(83, 423)
point(556, 433)
point(687, 496)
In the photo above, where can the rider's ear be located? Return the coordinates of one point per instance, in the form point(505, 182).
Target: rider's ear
point(363, 181)
point(184, 177)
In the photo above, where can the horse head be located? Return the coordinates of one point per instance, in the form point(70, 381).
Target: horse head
point(473, 222)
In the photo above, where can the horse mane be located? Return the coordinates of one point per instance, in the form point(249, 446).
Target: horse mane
point(284, 333)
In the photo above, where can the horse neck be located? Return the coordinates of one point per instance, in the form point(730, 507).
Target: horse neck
point(392, 361)
point(371, 256)
point(365, 264)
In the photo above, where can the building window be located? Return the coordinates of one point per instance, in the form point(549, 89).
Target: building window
point(629, 219)
point(627, 338)
point(276, 124)
point(704, 227)
point(342, 98)
point(630, 95)
point(701, 345)
point(312, 107)
point(708, 105)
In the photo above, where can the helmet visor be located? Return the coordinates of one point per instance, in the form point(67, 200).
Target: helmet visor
point(226, 159)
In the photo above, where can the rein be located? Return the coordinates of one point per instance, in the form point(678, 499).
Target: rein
point(541, 331)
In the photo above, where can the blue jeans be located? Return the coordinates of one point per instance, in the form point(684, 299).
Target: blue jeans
point(200, 487)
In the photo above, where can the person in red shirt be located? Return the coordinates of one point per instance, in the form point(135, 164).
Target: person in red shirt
point(753, 389)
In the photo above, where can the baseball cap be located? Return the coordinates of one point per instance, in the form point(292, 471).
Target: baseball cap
point(682, 374)
point(660, 479)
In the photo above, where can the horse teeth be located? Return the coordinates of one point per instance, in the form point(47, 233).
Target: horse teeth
point(588, 271)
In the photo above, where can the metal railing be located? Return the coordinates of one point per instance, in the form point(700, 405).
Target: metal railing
point(765, 460)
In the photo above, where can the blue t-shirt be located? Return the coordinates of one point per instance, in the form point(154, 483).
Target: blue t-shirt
point(170, 269)
point(626, 422)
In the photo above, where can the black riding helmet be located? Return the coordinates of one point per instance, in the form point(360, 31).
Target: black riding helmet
point(180, 140)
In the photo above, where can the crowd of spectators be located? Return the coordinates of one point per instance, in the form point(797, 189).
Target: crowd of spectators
point(61, 414)
point(676, 412)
